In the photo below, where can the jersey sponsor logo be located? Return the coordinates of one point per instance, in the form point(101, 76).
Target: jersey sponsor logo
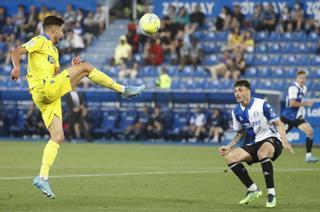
point(51, 59)
point(256, 114)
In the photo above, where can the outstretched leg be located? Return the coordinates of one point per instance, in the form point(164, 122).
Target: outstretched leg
point(77, 72)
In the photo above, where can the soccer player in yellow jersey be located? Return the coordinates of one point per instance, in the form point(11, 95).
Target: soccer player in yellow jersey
point(47, 85)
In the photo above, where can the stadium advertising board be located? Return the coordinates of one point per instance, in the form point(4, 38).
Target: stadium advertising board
point(212, 8)
point(313, 114)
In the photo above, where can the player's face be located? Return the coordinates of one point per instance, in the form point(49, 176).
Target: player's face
point(242, 94)
point(302, 79)
point(58, 33)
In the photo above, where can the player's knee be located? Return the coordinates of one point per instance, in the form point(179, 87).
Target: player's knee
point(231, 158)
point(263, 154)
point(59, 138)
point(309, 133)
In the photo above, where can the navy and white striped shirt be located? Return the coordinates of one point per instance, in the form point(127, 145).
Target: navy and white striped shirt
point(256, 119)
point(297, 93)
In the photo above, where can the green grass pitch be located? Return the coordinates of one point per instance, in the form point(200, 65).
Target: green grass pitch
point(137, 177)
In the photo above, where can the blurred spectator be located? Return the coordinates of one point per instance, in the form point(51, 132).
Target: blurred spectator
point(247, 44)
point(77, 114)
point(238, 19)
point(139, 128)
point(153, 52)
point(133, 37)
point(183, 52)
point(224, 19)
point(2, 18)
point(20, 19)
point(100, 19)
point(79, 16)
point(172, 13)
point(196, 128)
point(196, 54)
point(90, 25)
point(128, 69)
point(76, 41)
point(30, 26)
point(285, 20)
point(197, 18)
point(33, 122)
point(258, 18)
point(318, 48)
point(235, 39)
point(43, 13)
point(217, 126)
point(228, 67)
point(69, 17)
point(3, 48)
point(9, 28)
point(156, 128)
point(269, 18)
point(182, 19)
point(164, 80)
point(168, 46)
point(297, 16)
point(123, 51)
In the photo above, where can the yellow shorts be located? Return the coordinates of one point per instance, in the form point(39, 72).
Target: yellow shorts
point(47, 96)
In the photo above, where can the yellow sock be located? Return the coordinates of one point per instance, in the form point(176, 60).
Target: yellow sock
point(104, 80)
point(49, 155)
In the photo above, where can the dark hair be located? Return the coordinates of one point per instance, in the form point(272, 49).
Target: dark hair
point(52, 20)
point(300, 72)
point(244, 83)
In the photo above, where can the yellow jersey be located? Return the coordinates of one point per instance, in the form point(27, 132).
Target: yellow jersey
point(43, 59)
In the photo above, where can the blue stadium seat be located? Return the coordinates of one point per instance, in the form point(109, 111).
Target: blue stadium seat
point(108, 122)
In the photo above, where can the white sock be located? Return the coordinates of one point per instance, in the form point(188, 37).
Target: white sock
point(253, 187)
point(272, 191)
point(308, 154)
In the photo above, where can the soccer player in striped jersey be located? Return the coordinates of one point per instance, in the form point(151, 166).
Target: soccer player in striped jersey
point(255, 120)
point(293, 115)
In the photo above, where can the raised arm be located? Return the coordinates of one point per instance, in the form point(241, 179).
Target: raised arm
point(15, 56)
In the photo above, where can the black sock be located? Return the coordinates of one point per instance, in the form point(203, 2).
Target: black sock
point(242, 173)
point(309, 142)
point(267, 169)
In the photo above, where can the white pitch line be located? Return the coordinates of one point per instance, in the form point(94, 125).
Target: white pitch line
point(155, 173)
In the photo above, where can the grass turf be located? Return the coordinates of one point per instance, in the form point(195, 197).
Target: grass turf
point(136, 177)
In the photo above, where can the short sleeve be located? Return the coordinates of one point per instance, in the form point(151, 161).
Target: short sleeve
point(34, 44)
point(293, 92)
point(235, 123)
point(269, 113)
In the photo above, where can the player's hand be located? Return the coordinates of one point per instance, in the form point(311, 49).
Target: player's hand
point(308, 103)
point(15, 73)
point(286, 145)
point(76, 60)
point(224, 149)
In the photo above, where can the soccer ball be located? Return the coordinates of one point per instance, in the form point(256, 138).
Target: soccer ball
point(149, 23)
